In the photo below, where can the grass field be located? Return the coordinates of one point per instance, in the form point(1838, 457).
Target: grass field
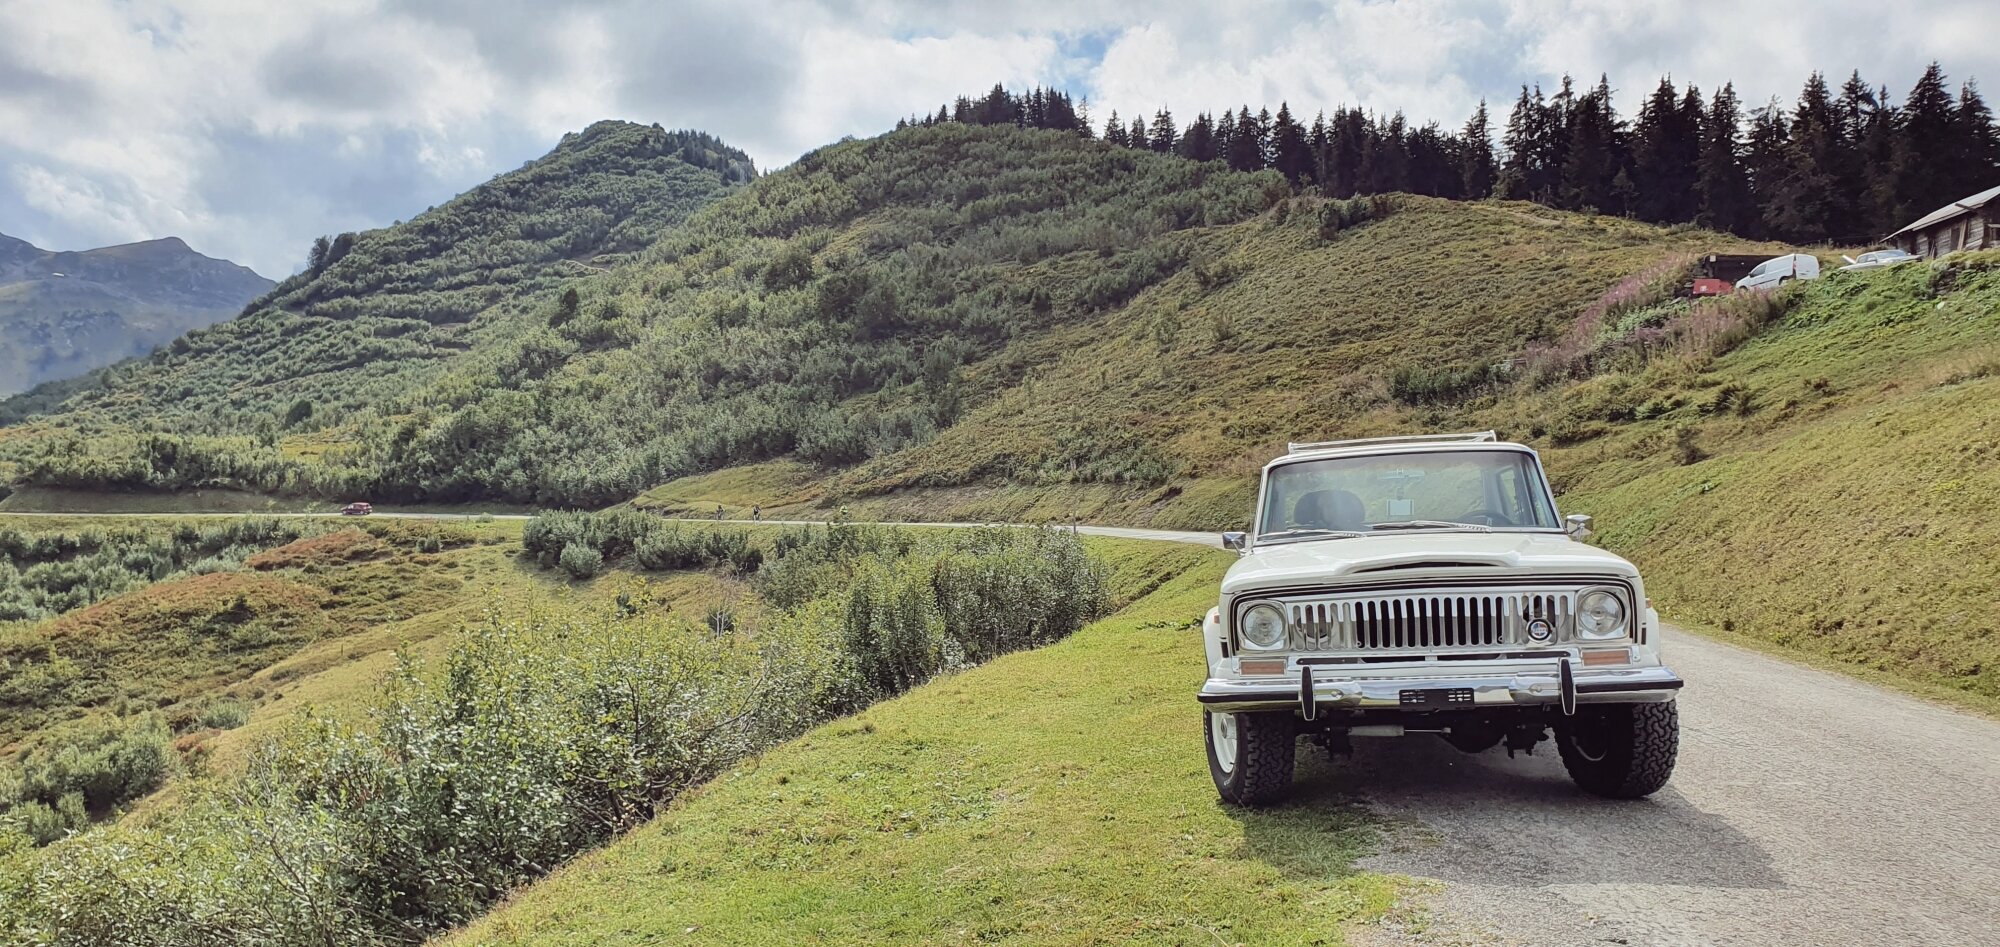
point(1057, 796)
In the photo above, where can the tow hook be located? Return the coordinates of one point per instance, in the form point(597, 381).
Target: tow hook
point(1568, 683)
point(1308, 702)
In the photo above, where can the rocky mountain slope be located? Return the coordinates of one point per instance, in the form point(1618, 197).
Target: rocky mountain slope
point(65, 313)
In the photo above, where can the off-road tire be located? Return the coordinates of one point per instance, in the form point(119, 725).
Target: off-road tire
point(1620, 751)
point(1266, 748)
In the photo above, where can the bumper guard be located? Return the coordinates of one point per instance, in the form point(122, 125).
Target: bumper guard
point(1561, 685)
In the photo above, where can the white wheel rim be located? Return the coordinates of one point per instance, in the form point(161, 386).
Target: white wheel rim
point(1222, 733)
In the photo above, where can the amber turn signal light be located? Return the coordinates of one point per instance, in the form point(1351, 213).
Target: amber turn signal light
point(1263, 665)
point(1602, 658)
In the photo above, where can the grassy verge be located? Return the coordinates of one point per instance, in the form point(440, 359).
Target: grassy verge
point(1052, 796)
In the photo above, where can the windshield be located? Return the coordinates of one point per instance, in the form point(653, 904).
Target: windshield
point(1431, 489)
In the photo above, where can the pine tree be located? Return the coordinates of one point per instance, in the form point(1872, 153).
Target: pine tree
point(1165, 135)
point(1558, 129)
point(1246, 144)
point(1666, 155)
point(1138, 137)
point(1347, 137)
point(1592, 162)
point(1385, 164)
point(997, 108)
point(1811, 202)
point(1518, 142)
point(1926, 148)
point(1764, 162)
point(1433, 162)
point(1199, 142)
point(1319, 146)
point(1114, 133)
point(1978, 157)
point(1475, 165)
point(1724, 188)
point(1867, 137)
point(1289, 154)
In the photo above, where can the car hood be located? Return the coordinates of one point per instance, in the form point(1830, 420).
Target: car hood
point(1419, 554)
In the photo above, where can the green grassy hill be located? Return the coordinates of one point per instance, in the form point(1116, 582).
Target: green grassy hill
point(942, 306)
point(386, 309)
point(996, 323)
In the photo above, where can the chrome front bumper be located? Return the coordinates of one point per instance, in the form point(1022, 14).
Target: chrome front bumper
point(1334, 690)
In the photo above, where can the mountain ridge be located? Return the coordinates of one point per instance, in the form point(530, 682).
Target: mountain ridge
point(375, 312)
point(67, 312)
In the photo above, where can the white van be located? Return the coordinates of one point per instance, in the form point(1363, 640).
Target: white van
point(1770, 273)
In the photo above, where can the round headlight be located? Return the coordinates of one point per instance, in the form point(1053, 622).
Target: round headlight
point(1263, 627)
point(1600, 614)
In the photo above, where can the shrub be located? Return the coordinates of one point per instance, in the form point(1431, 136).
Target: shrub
point(223, 714)
point(100, 762)
point(1417, 384)
point(44, 824)
point(581, 561)
point(652, 543)
point(1685, 450)
point(1338, 215)
point(535, 738)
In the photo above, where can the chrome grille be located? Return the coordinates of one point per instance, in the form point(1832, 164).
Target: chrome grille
point(1465, 620)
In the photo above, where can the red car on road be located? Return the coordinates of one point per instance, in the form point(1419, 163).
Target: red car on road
point(356, 509)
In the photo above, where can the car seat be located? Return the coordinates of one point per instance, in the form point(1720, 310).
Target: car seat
point(1330, 509)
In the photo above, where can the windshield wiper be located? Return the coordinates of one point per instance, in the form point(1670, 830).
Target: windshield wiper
point(1433, 524)
point(1310, 531)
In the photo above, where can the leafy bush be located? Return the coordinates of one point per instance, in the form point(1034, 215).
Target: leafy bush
point(537, 737)
point(49, 573)
point(651, 542)
point(581, 561)
point(223, 714)
point(1418, 384)
point(91, 766)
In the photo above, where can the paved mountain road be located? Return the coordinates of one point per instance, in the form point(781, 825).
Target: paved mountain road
point(1807, 809)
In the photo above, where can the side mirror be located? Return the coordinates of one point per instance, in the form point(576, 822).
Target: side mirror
point(1577, 525)
point(1236, 541)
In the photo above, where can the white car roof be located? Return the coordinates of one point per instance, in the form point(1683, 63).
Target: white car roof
point(1424, 444)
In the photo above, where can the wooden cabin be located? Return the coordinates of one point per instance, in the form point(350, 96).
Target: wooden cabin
point(1970, 224)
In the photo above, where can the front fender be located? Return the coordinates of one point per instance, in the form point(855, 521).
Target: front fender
point(1213, 638)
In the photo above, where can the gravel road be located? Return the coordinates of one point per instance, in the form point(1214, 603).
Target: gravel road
point(1807, 809)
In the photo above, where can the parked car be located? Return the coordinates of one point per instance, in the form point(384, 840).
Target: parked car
point(1427, 585)
point(1877, 259)
point(1777, 270)
point(356, 509)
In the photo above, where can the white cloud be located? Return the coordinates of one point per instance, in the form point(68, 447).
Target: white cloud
point(248, 128)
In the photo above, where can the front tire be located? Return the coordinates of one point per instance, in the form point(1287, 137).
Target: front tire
point(1621, 751)
point(1250, 755)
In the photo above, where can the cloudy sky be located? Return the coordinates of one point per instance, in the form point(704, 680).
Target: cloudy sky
point(248, 127)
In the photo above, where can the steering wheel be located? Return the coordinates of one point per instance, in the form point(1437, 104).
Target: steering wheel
point(1491, 518)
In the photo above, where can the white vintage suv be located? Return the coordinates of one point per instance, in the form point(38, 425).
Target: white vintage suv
point(1407, 585)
